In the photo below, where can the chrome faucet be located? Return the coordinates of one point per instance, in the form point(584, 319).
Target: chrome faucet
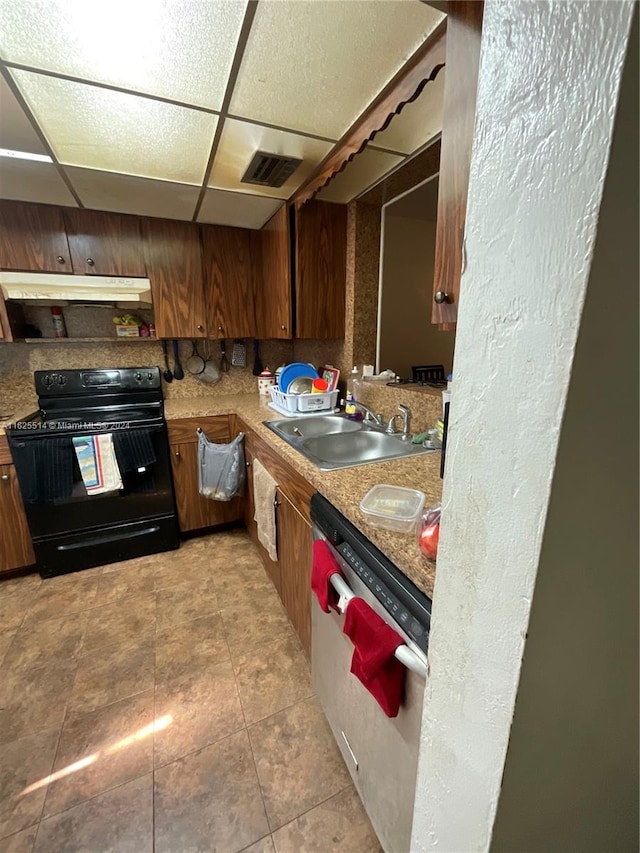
point(406, 421)
point(376, 418)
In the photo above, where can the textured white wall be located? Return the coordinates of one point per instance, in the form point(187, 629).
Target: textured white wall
point(549, 79)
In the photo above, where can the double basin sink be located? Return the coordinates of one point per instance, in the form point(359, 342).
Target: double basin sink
point(333, 441)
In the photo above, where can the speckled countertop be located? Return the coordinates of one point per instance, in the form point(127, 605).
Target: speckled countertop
point(344, 489)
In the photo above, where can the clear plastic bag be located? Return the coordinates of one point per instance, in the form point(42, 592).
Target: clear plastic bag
point(429, 532)
point(221, 468)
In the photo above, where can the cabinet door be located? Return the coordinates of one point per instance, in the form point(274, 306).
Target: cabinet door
point(174, 265)
point(464, 32)
point(321, 269)
point(16, 550)
point(272, 568)
point(295, 554)
point(104, 243)
point(5, 327)
point(229, 275)
point(33, 237)
point(273, 287)
point(194, 511)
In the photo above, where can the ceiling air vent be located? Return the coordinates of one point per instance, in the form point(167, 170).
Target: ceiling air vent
point(270, 170)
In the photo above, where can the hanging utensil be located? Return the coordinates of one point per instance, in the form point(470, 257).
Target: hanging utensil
point(167, 375)
point(224, 361)
point(239, 354)
point(178, 372)
point(211, 373)
point(195, 362)
point(258, 367)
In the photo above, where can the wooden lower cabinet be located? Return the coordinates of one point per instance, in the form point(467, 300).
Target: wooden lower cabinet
point(15, 540)
point(294, 555)
point(194, 511)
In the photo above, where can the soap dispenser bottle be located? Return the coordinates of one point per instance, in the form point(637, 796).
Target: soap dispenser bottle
point(353, 388)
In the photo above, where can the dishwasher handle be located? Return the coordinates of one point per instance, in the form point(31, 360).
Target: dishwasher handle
point(403, 653)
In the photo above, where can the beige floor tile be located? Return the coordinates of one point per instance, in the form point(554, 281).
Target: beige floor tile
point(265, 845)
point(254, 622)
point(34, 698)
point(39, 642)
point(133, 580)
point(59, 596)
point(298, 762)
point(13, 609)
point(21, 842)
point(6, 638)
point(101, 750)
point(339, 825)
point(189, 647)
point(110, 674)
point(241, 584)
point(188, 565)
point(272, 677)
point(136, 562)
point(210, 800)
point(185, 602)
point(23, 585)
point(204, 707)
point(24, 762)
point(123, 623)
point(118, 821)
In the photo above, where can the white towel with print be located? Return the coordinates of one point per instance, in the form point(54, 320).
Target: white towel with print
point(264, 498)
point(98, 464)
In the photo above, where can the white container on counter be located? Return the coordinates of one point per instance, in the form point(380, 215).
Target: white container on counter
point(392, 507)
point(265, 381)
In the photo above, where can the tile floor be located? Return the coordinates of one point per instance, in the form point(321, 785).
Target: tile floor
point(164, 704)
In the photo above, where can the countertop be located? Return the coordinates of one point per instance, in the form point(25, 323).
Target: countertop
point(344, 489)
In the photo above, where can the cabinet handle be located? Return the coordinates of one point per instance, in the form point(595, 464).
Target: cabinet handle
point(440, 296)
point(199, 327)
point(220, 329)
point(248, 464)
point(91, 262)
point(4, 477)
point(277, 503)
point(177, 453)
point(284, 328)
point(60, 259)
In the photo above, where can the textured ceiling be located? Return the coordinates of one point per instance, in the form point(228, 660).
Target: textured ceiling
point(156, 107)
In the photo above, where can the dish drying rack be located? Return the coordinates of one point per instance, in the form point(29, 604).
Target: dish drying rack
point(296, 405)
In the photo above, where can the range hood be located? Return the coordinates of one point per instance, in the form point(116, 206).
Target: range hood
point(35, 287)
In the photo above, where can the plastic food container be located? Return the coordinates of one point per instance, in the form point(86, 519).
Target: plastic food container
point(393, 507)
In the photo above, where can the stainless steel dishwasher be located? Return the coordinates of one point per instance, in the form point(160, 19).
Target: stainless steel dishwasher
point(381, 753)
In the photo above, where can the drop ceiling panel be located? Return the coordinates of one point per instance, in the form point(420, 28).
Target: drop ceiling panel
point(315, 66)
point(239, 142)
point(178, 49)
point(365, 169)
point(129, 194)
point(244, 211)
point(16, 132)
point(101, 129)
point(418, 122)
point(28, 180)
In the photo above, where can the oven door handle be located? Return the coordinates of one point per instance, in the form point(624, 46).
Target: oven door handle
point(112, 537)
point(403, 653)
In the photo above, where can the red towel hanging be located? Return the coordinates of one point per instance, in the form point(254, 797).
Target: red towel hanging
point(373, 661)
point(324, 565)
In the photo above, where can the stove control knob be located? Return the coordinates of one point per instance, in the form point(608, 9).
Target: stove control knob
point(48, 380)
point(150, 377)
point(62, 380)
point(138, 377)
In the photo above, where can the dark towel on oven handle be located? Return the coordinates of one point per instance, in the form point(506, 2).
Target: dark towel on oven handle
point(134, 449)
point(45, 468)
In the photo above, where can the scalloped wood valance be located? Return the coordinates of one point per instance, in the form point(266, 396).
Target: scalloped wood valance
point(405, 87)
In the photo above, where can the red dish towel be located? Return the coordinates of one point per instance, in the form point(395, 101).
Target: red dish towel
point(373, 662)
point(324, 565)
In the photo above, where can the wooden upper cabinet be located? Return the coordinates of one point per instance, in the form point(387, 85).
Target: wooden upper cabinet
point(230, 271)
point(464, 32)
point(273, 300)
point(33, 238)
point(174, 265)
point(104, 243)
point(320, 269)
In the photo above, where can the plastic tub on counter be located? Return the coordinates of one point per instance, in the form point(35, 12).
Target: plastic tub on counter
point(393, 507)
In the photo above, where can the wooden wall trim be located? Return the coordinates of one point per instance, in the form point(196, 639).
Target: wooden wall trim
point(405, 87)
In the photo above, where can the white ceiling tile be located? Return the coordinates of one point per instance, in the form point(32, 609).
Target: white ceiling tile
point(315, 66)
point(239, 142)
point(239, 209)
point(365, 169)
point(418, 122)
point(101, 129)
point(129, 194)
point(16, 132)
point(27, 180)
point(178, 49)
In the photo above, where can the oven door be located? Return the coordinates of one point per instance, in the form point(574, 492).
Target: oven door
point(83, 523)
point(380, 753)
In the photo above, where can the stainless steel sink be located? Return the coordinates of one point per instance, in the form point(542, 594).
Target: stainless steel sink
point(332, 441)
